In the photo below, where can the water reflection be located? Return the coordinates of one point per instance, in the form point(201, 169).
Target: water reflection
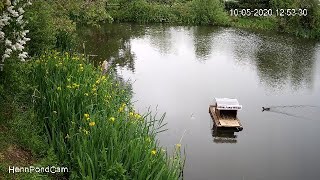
point(161, 38)
point(111, 42)
point(279, 61)
point(242, 46)
point(234, 64)
point(202, 39)
point(282, 62)
point(224, 135)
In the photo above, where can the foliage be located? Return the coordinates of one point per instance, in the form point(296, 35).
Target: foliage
point(266, 23)
point(189, 12)
point(92, 126)
point(41, 27)
point(49, 29)
point(16, 115)
point(247, 4)
point(1, 5)
point(254, 4)
point(52, 23)
point(305, 26)
point(209, 12)
point(82, 12)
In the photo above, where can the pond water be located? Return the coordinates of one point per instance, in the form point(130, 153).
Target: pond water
point(179, 70)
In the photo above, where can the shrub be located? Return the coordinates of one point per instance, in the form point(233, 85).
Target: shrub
point(49, 28)
point(189, 12)
point(41, 26)
point(305, 26)
point(209, 12)
point(83, 12)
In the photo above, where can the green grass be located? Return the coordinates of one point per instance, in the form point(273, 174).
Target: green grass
point(196, 12)
point(255, 23)
point(21, 140)
point(90, 122)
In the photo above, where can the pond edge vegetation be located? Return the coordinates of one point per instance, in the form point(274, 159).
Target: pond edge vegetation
point(56, 107)
point(59, 110)
point(217, 13)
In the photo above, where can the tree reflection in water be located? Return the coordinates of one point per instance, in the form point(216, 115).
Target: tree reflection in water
point(202, 39)
point(283, 62)
point(280, 61)
point(111, 42)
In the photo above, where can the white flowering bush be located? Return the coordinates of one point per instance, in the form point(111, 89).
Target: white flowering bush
point(13, 35)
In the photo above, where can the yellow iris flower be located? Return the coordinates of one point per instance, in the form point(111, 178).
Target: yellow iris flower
point(87, 116)
point(112, 119)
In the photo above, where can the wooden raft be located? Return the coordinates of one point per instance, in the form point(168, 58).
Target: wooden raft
point(226, 123)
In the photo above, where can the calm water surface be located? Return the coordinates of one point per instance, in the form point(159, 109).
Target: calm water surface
point(179, 70)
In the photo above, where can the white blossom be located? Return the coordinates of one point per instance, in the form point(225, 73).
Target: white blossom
point(8, 42)
point(2, 35)
point(2, 23)
point(26, 39)
point(14, 14)
point(10, 9)
point(20, 22)
point(20, 18)
point(21, 11)
point(24, 33)
point(22, 42)
point(4, 20)
point(13, 47)
point(23, 55)
point(19, 47)
point(8, 51)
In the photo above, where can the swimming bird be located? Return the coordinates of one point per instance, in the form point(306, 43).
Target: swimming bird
point(265, 109)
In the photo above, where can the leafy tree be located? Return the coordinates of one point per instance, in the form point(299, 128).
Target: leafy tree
point(301, 25)
point(209, 12)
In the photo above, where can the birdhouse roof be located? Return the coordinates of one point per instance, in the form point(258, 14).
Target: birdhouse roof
point(228, 104)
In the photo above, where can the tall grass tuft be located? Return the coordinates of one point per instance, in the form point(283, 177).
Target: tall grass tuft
point(92, 125)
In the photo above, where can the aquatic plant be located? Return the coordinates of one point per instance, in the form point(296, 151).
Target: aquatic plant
point(92, 125)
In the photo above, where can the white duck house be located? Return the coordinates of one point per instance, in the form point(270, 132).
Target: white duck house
point(224, 113)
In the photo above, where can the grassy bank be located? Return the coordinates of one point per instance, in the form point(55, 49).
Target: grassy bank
point(22, 140)
point(215, 12)
point(92, 125)
point(195, 12)
point(59, 110)
point(266, 24)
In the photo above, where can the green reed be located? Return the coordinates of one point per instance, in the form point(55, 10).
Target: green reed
point(92, 125)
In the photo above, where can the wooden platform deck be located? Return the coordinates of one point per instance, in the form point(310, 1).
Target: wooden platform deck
point(224, 123)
